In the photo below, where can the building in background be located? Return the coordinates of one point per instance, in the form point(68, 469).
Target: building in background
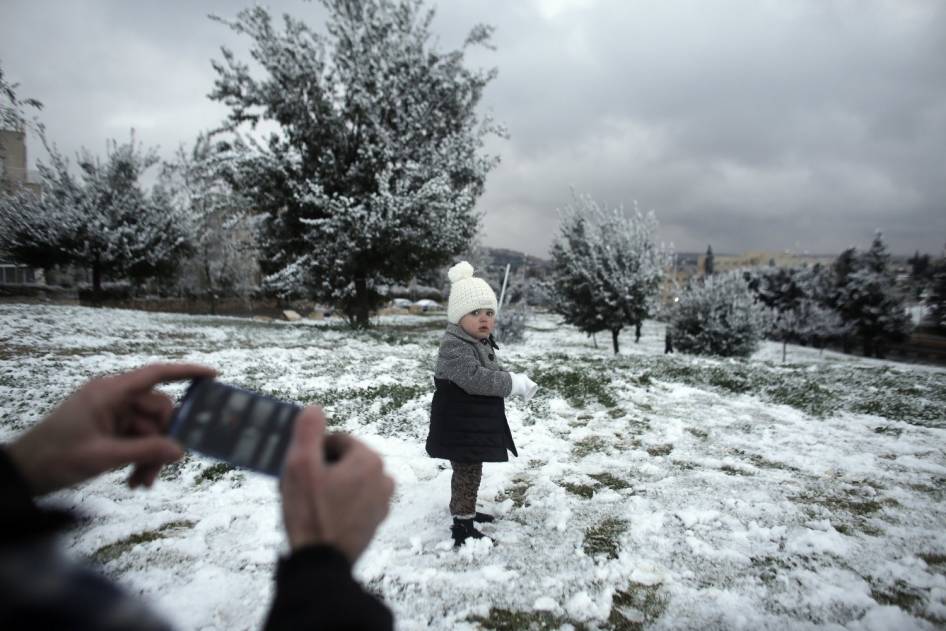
point(15, 175)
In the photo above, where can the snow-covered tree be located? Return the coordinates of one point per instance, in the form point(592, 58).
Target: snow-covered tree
point(798, 300)
point(607, 266)
point(224, 257)
point(719, 316)
point(865, 297)
point(103, 219)
point(377, 161)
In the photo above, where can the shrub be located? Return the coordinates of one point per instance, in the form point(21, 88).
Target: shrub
point(719, 317)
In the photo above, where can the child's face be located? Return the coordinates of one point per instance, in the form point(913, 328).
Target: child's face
point(479, 323)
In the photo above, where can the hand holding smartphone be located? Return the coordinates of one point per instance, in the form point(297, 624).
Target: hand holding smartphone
point(238, 426)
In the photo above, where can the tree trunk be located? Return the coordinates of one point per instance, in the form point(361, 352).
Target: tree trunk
point(784, 346)
point(614, 339)
point(637, 332)
point(362, 310)
point(96, 279)
point(96, 284)
point(210, 285)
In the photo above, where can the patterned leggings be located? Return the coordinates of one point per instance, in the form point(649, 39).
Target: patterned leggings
point(464, 486)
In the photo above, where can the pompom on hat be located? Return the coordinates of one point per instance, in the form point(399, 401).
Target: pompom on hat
point(467, 293)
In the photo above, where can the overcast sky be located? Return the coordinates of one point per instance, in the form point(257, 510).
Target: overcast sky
point(801, 125)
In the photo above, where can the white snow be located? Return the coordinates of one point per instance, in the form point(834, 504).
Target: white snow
point(729, 509)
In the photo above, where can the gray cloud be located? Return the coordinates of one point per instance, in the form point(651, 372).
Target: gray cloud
point(777, 125)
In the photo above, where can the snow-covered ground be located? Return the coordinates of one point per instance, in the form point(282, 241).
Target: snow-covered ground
point(652, 491)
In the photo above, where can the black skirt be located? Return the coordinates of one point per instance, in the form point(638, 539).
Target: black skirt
point(468, 427)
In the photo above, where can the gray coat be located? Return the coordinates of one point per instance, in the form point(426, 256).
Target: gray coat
point(471, 364)
point(467, 415)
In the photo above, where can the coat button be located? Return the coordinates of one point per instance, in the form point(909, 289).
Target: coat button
point(492, 357)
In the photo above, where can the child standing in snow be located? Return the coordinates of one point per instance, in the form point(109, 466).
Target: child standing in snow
point(467, 416)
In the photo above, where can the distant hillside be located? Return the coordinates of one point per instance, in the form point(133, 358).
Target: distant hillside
point(500, 257)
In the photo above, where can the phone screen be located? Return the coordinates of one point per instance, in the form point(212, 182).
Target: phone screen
point(243, 428)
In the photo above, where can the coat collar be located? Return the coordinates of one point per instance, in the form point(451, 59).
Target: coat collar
point(457, 331)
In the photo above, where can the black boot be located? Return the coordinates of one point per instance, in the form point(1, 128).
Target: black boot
point(483, 518)
point(462, 529)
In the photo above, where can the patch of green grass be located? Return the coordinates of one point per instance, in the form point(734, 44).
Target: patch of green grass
point(900, 594)
point(810, 397)
point(581, 490)
point(214, 472)
point(589, 445)
point(936, 562)
point(644, 379)
point(112, 551)
point(764, 463)
point(848, 511)
point(819, 391)
point(768, 568)
point(603, 538)
point(638, 426)
point(173, 471)
point(516, 491)
point(636, 607)
point(511, 620)
point(735, 378)
point(660, 450)
point(578, 386)
point(380, 403)
point(730, 470)
point(610, 481)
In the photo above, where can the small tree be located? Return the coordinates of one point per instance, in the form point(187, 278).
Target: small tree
point(376, 166)
point(607, 267)
point(104, 220)
point(720, 316)
point(937, 295)
point(798, 301)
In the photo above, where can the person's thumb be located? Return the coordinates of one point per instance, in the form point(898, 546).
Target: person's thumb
point(147, 450)
point(306, 449)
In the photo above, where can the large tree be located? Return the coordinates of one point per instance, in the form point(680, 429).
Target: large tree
point(376, 163)
point(104, 219)
point(607, 267)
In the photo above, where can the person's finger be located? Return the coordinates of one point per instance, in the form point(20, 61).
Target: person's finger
point(150, 413)
point(149, 450)
point(144, 475)
point(154, 404)
point(147, 377)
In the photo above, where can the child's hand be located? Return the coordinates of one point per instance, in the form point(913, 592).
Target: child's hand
point(522, 386)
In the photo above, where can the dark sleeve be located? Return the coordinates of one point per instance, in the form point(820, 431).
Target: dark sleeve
point(40, 588)
point(315, 590)
point(20, 518)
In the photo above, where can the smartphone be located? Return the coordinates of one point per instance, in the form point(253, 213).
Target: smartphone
point(238, 426)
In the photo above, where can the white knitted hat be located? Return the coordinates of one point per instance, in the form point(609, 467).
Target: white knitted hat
point(467, 293)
